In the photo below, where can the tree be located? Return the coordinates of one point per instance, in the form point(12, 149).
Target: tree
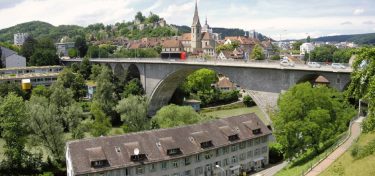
point(342, 55)
point(133, 87)
point(43, 57)
point(7, 88)
point(45, 126)
point(105, 93)
point(309, 116)
point(140, 17)
point(308, 39)
point(28, 48)
point(85, 68)
point(257, 53)
point(173, 115)
point(81, 45)
point(323, 53)
point(44, 53)
point(133, 112)
point(73, 81)
point(41, 91)
point(74, 117)
point(248, 101)
point(95, 71)
point(201, 80)
point(101, 125)
point(296, 45)
point(72, 52)
point(362, 85)
point(13, 122)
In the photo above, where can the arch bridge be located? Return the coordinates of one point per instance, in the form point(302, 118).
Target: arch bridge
point(264, 81)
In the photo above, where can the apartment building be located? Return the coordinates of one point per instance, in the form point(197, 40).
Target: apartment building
point(222, 147)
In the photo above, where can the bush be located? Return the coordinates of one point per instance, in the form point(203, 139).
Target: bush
point(275, 153)
point(275, 57)
point(248, 101)
point(354, 151)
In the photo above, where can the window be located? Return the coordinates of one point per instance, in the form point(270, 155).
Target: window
point(226, 150)
point(198, 170)
point(164, 165)
point(198, 157)
point(175, 164)
point(249, 154)
point(264, 139)
point(234, 148)
point(152, 167)
point(256, 141)
point(242, 156)
point(218, 163)
point(264, 149)
point(187, 161)
point(187, 173)
point(175, 151)
point(139, 170)
point(242, 145)
point(234, 159)
point(176, 174)
point(207, 155)
point(226, 162)
point(256, 153)
point(217, 152)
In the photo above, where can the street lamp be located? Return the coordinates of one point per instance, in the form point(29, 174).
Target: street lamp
point(217, 166)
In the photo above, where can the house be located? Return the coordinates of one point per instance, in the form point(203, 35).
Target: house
point(91, 87)
point(10, 59)
point(306, 48)
point(229, 145)
point(63, 46)
point(224, 84)
point(230, 55)
point(172, 48)
point(321, 80)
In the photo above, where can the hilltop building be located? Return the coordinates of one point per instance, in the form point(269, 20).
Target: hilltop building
point(19, 38)
point(227, 146)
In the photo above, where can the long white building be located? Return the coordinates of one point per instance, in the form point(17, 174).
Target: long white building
point(226, 146)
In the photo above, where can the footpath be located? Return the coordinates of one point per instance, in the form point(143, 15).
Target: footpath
point(324, 164)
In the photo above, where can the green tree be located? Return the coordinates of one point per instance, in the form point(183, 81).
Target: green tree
point(248, 101)
point(28, 48)
point(7, 88)
point(201, 80)
point(13, 119)
point(173, 115)
point(74, 81)
point(257, 53)
point(72, 52)
point(140, 17)
point(73, 117)
point(45, 126)
point(133, 87)
point(105, 93)
point(342, 55)
point(296, 45)
point(309, 116)
point(81, 45)
point(42, 57)
point(308, 39)
point(41, 90)
point(133, 112)
point(95, 71)
point(323, 53)
point(362, 85)
point(101, 125)
point(85, 68)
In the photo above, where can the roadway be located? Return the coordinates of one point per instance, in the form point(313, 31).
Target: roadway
point(228, 63)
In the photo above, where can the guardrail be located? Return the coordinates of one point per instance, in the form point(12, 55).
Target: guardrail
point(331, 149)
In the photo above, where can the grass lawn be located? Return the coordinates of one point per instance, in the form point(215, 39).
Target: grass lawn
point(238, 111)
point(346, 165)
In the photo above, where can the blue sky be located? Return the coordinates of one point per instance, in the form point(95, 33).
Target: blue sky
point(285, 19)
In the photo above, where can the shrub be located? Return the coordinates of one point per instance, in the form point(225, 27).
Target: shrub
point(275, 153)
point(248, 101)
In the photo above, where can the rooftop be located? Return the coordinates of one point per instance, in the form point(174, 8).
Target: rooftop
point(162, 144)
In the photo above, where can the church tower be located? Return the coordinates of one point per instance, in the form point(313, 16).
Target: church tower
point(196, 38)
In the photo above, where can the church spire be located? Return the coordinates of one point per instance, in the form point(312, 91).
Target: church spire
point(196, 16)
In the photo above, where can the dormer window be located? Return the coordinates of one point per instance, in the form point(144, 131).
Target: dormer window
point(98, 164)
point(233, 137)
point(175, 151)
point(206, 144)
point(138, 158)
point(97, 157)
point(257, 131)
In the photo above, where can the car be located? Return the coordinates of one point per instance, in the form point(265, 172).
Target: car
point(337, 66)
point(313, 64)
point(286, 63)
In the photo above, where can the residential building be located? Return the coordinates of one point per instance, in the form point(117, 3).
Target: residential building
point(172, 48)
point(63, 47)
point(19, 38)
point(10, 59)
point(44, 75)
point(306, 48)
point(195, 104)
point(224, 84)
point(227, 146)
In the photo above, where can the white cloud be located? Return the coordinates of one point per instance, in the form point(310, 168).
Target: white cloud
point(59, 12)
point(346, 23)
point(369, 22)
point(358, 11)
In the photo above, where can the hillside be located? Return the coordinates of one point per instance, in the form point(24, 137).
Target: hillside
point(40, 29)
point(357, 38)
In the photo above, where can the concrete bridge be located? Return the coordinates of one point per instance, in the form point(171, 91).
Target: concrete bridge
point(263, 80)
